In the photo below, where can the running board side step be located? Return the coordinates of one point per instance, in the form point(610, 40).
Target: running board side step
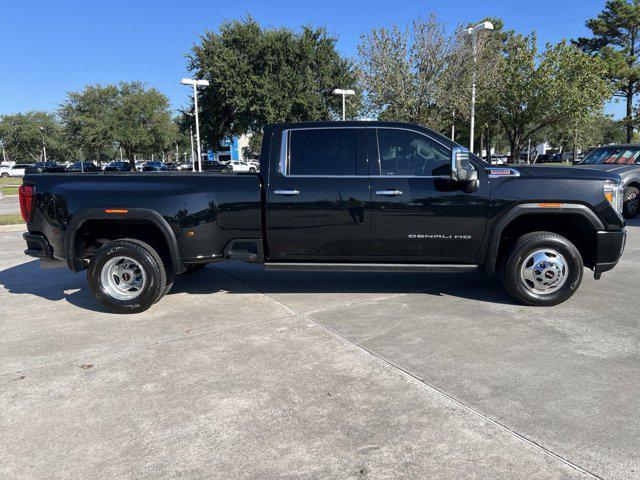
point(370, 267)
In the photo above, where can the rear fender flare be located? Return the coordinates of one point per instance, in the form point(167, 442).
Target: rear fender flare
point(134, 214)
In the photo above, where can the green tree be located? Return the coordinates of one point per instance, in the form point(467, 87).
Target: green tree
point(560, 88)
point(101, 119)
point(22, 136)
point(616, 39)
point(259, 76)
point(416, 74)
point(88, 117)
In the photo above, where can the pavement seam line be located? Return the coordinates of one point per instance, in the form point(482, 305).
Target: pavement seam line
point(431, 387)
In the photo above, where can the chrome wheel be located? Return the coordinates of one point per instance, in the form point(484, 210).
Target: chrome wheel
point(544, 271)
point(123, 278)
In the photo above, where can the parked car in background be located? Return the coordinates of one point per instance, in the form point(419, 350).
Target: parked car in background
point(44, 167)
point(499, 159)
point(117, 166)
point(625, 161)
point(155, 167)
point(171, 166)
point(241, 166)
point(16, 170)
point(184, 167)
point(82, 167)
point(213, 166)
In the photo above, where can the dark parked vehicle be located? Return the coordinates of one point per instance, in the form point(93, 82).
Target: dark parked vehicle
point(624, 161)
point(44, 167)
point(155, 167)
point(83, 167)
point(213, 166)
point(366, 196)
point(117, 166)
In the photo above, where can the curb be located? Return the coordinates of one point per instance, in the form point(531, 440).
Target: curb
point(19, 227)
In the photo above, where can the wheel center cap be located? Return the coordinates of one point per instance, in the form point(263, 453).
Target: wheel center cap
point(549, 274)
point(126, 277)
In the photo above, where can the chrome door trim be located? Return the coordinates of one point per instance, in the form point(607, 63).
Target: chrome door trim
point(389, 193)
point(286, 192)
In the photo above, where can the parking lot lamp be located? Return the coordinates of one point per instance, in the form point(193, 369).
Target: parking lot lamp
point(344, 93)
point(196, 84)
point(473, 31)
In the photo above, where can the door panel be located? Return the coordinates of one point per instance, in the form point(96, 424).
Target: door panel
point(319, 202)
point(421, 214)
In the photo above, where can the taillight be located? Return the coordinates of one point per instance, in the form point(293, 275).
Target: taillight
point(26, 194)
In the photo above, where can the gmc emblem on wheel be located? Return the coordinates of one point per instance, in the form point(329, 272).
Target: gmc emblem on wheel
point(444, 236)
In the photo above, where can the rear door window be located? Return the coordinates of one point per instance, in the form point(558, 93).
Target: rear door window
point(330, 151)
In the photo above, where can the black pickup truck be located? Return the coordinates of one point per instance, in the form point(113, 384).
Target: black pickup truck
point(366, 196)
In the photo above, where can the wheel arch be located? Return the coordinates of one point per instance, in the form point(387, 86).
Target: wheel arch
point(122, 216)
point(577, 222)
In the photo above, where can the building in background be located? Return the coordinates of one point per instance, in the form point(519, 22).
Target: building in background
point(232, 149)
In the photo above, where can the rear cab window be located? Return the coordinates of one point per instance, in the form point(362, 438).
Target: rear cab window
point(324, 152)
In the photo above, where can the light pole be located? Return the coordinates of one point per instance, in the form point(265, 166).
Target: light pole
point(193, 160)
point(473, 31)
point(196, 84)
point(344, 93)
point(44, 147)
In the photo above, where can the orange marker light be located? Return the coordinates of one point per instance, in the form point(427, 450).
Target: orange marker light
point(190, 233)
point(116, 210)
point(550, 205)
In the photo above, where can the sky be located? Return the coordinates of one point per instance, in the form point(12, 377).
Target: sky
point(48, 48)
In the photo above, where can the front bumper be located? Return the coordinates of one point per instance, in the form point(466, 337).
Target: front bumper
point(38, 246)
point(609, 248)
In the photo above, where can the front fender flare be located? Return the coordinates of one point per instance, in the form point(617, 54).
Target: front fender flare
point(533, 208)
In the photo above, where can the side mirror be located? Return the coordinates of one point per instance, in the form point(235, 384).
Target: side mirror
point(461, 169)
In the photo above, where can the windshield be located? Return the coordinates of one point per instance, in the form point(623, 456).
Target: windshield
point(614, 155)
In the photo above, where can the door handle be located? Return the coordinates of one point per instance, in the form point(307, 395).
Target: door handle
point(286, 192)
point(389, 193)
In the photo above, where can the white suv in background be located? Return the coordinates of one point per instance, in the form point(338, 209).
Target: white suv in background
point(240, 166)
point(16, 170)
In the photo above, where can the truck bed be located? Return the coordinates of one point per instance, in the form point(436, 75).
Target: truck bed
point(204, 211)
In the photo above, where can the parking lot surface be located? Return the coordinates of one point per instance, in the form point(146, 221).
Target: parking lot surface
point(9, 205)
point(242, 373)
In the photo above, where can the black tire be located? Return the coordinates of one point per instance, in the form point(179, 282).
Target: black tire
point(4, 175)
point(194, 267)
point(631, 205)
point(149, 261)
point(168, 267)
point(524, 291)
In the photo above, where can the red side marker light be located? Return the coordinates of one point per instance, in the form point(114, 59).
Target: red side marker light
point(116, 210)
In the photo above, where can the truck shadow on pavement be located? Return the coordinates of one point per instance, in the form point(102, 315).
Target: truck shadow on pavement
point(237, 278)
point(56, 284)
point(250, 278)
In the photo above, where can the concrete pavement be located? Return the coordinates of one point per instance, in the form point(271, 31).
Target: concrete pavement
point(242, 373)
point(9, 205)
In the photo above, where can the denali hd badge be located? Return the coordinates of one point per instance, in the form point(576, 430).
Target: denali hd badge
point(444, 236)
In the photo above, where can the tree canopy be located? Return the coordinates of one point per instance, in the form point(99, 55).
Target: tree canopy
point(616, 40)
point(23, 134)
point(101, 119)
point(259, 76)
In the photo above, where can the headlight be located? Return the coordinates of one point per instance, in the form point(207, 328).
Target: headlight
point(613, 192)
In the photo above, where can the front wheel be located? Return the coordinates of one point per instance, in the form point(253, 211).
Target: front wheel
point(127, 276)
point(542, 269)
point(631, 205)
point(4, 175)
